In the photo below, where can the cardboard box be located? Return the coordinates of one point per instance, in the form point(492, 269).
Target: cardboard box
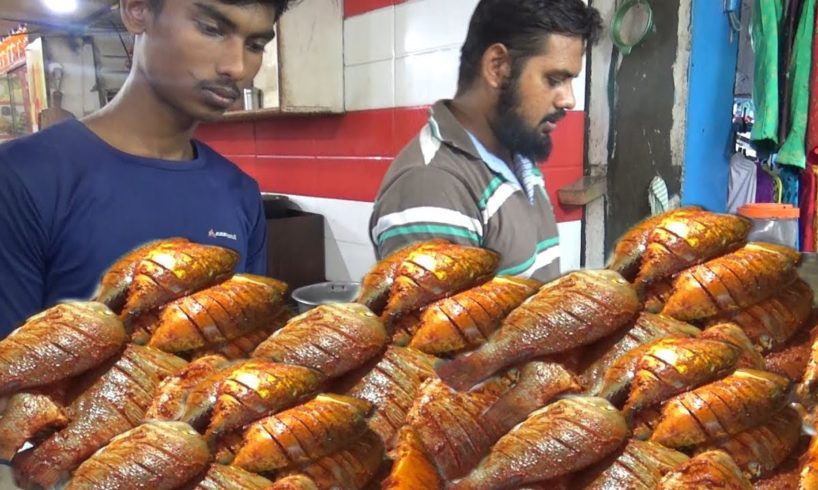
point(295, 248)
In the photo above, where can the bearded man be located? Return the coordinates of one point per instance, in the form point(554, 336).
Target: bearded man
point(470, 176)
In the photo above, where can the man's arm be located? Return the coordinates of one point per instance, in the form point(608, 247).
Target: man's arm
point(423, 204)
point(23, 246)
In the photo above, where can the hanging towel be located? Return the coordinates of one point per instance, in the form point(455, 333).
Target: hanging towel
point(766, 22)
point(741, 189)
point(793, 151)
point(812, 115)
point(808, 206)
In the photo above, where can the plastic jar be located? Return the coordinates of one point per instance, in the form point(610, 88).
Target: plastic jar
point(772, 223)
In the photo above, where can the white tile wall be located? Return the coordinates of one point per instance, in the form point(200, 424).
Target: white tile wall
point(409, 54)
point(570, 245)
point(427, 25)
point(347, 221)
point(370, 37)
point(423, 78)
point(579, 87)
point(348, 261)
point(370, 86)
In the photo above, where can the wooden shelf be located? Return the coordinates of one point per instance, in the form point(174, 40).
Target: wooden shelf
point(274, 113)
point(583, 191)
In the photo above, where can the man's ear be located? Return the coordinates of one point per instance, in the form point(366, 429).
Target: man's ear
point(135, 15)
point(496, 65)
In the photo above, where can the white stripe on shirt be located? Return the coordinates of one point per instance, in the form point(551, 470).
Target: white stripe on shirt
point(544, 259)
point(496, 201)
point(429, 144)
point(426, 214)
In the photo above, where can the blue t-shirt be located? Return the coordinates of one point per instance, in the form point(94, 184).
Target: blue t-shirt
point(71, 205)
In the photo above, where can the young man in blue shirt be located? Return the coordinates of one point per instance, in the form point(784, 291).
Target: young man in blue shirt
point(78, 195)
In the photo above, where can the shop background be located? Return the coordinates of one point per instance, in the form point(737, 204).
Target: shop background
point(399, 57)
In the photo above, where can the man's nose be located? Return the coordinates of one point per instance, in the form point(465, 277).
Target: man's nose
point(232, 63)
point(565, 99)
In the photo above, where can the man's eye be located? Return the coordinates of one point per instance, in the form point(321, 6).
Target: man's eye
point(209, 29)
point(256, 47)
point(555, 82)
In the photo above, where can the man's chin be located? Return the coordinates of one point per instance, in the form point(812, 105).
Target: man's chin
point(210, 115)
point(537, 152)
point(542, 157)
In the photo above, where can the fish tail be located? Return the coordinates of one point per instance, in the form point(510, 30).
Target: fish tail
point(502, 417)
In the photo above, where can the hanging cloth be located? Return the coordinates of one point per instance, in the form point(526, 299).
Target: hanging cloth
point(658, 196)
point(741, 189)
point(812, 114)
point(793, 151)
point(808, 207)
point(815, 214)
point(790, 185)
point(764, 36)
point(778, 188)
point(789, 28)
point(764, 185)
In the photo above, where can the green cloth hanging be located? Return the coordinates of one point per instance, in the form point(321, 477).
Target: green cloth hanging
point(793, 151)
point(764, 36)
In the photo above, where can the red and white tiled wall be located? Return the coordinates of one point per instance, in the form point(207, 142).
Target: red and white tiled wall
point(399, 57)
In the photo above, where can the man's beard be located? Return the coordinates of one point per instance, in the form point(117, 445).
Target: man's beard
point(514, 133)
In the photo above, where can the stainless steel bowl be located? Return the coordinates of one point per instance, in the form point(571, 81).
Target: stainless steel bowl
point(322, 293)
point(808, 271)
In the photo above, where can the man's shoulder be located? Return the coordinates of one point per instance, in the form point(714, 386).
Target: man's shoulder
point(219, 163)
point(437, 163)
point(45, 156)
point(54, 141)
point(230, 175)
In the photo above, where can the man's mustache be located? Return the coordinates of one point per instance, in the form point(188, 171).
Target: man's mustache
point(555, 117)
point(222, 86)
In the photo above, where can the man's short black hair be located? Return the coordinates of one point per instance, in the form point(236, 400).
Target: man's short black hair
point(280, 6)
point(521, 26)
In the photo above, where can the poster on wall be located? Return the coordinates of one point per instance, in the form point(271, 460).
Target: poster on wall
point(18, 79)
point(13, 50)
point(6, 105)
point(14, 121)
point(14, 117)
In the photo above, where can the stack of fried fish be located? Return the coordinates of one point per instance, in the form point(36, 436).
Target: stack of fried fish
point(688, 363)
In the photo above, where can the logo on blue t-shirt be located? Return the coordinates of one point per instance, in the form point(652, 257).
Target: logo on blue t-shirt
point(221, 234)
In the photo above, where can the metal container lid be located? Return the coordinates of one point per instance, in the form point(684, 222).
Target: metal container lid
point(322, 293)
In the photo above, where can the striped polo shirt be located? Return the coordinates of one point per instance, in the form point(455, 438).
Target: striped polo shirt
point(445, 184)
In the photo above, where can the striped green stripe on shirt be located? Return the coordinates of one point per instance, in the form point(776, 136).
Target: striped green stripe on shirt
point(493, 186)
point(542, 246)
point(431, 230)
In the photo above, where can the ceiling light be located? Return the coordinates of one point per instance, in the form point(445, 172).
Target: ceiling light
point(61, 6)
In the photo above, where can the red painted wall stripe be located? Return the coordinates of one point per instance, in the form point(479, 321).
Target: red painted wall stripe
point(346, 156)
point(358, 7)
